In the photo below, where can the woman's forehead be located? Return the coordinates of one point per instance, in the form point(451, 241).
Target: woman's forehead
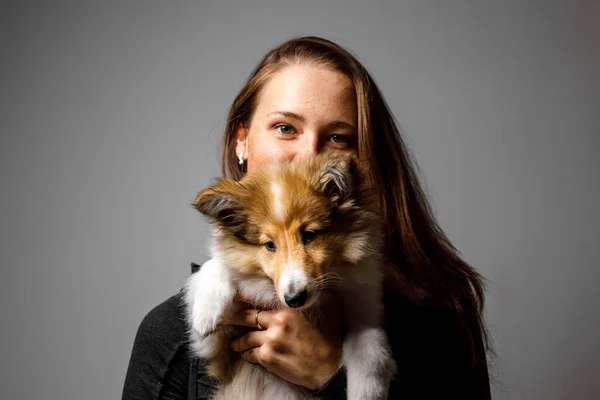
point(311, 92)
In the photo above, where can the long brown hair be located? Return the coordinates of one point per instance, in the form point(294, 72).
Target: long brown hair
point(426, 266)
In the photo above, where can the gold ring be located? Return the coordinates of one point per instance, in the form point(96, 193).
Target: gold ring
point(258, 325)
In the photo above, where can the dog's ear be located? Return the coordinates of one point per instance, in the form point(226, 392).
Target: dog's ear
point(337, 177)
point(223, 205)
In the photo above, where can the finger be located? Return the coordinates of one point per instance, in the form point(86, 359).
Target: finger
point(262, 356)
point(251, 355)
point(248, 318)
point(249, 340)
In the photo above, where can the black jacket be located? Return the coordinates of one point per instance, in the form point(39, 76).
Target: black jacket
point(430, 354)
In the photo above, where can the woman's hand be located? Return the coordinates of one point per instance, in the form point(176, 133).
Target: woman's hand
point(291, 345)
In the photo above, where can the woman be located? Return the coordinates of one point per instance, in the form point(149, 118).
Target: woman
point(309, 96)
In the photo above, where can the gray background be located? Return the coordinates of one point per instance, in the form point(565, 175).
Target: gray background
point(110, 117)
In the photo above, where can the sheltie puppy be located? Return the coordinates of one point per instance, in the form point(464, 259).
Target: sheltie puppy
point(279, 235)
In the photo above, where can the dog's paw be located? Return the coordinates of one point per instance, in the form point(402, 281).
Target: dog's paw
point(206, 316)
point(208, 293)
point(369, 364)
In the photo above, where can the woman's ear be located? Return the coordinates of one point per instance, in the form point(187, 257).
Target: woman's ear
point(241, 145)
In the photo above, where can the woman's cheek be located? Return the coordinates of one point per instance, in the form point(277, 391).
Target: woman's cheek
point(265, 153)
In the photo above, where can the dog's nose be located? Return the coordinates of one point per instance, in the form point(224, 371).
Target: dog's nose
point(297, 299)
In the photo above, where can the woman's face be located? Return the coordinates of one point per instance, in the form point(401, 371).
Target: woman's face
point(301, 111)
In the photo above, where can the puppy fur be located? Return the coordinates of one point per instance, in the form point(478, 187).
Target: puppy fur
point(287, 232)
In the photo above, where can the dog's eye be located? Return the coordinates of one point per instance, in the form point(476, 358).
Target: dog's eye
point(308, 236)
point(270, 246)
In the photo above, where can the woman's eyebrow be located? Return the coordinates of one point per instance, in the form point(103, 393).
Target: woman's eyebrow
point(288, 114)
point(333, 124)
point(341, 124)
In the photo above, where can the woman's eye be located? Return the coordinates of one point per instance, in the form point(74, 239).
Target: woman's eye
point(339, 139)
point(308, 236)
point(284, 129)
point(270, 246)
